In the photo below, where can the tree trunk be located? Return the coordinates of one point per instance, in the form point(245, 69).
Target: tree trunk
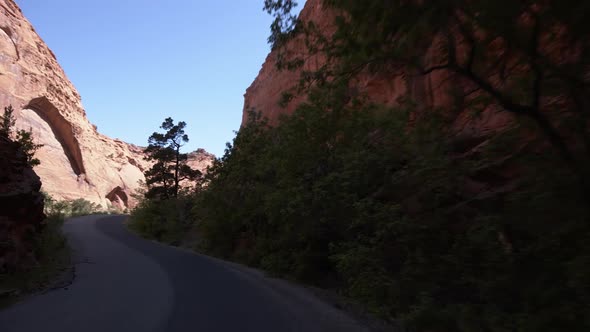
point(176, 169)
point(164, 184)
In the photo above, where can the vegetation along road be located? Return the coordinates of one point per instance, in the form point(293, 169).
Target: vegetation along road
point(125, 283)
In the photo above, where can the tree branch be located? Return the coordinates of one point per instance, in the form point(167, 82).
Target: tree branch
point(503, 100)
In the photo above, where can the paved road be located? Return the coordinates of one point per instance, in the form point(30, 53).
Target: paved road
point(125, 283)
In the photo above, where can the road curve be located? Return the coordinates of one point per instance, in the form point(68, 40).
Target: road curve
point(125, 283)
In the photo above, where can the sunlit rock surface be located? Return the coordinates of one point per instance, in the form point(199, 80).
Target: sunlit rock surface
point(76, 160)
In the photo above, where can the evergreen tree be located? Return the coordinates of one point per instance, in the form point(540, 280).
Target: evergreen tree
point(170, 167)
point(24, 137)
point(7, 121)
point(28, 146)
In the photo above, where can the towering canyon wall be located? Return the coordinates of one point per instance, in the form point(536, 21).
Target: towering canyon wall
point(472, 133)
point(76, 160)
point(264, 94)
point(384, 87)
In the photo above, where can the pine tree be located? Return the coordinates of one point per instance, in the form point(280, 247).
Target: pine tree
point(23, 137)
point(7, 121)
point(28, 145)
point(170, 167)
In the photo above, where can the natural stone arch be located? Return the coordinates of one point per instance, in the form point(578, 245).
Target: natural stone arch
point(62, 129)
point(118, 197)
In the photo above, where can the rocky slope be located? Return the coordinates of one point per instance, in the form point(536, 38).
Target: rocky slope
point(21, 207)
point(76, 160)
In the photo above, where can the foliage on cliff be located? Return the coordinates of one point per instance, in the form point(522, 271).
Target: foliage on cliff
point(528, 58)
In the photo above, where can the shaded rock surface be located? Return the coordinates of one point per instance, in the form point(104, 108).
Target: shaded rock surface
point(76, 160)
point(384, 87)
point(471, 131)
point(21, 207)
point(264, 94)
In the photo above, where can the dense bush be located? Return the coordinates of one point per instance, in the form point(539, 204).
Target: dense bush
point(82, 207)
point(53, 256)
point(50, 249)
point(393, 210)
point(360, 201)
point(73, 208)
point(163, 220)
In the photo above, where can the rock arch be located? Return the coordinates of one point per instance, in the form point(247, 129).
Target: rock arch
point(62, 129)
point(118, 197)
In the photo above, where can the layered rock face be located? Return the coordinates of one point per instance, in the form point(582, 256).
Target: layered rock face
point(21, 207)
point(264, 95)
point(200, 160)
point(470, 134)
point(76, 160)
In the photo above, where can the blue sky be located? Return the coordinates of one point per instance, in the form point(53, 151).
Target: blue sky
point(136, 62)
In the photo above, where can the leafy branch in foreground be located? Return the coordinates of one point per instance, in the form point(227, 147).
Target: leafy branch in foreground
point(503, 54)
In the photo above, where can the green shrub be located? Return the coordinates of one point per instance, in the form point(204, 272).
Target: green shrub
point(358, 201)
point(82, 207)
point(72, 208)
point(52, 253)
point(162, 220)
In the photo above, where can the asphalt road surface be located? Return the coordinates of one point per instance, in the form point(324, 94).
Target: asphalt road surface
point(125, 283)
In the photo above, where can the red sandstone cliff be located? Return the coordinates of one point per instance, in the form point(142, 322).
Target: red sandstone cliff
point(264, 94)
point(471, 131)
point(76, 160)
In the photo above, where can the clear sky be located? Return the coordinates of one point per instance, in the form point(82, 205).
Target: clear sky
point(136, 62)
